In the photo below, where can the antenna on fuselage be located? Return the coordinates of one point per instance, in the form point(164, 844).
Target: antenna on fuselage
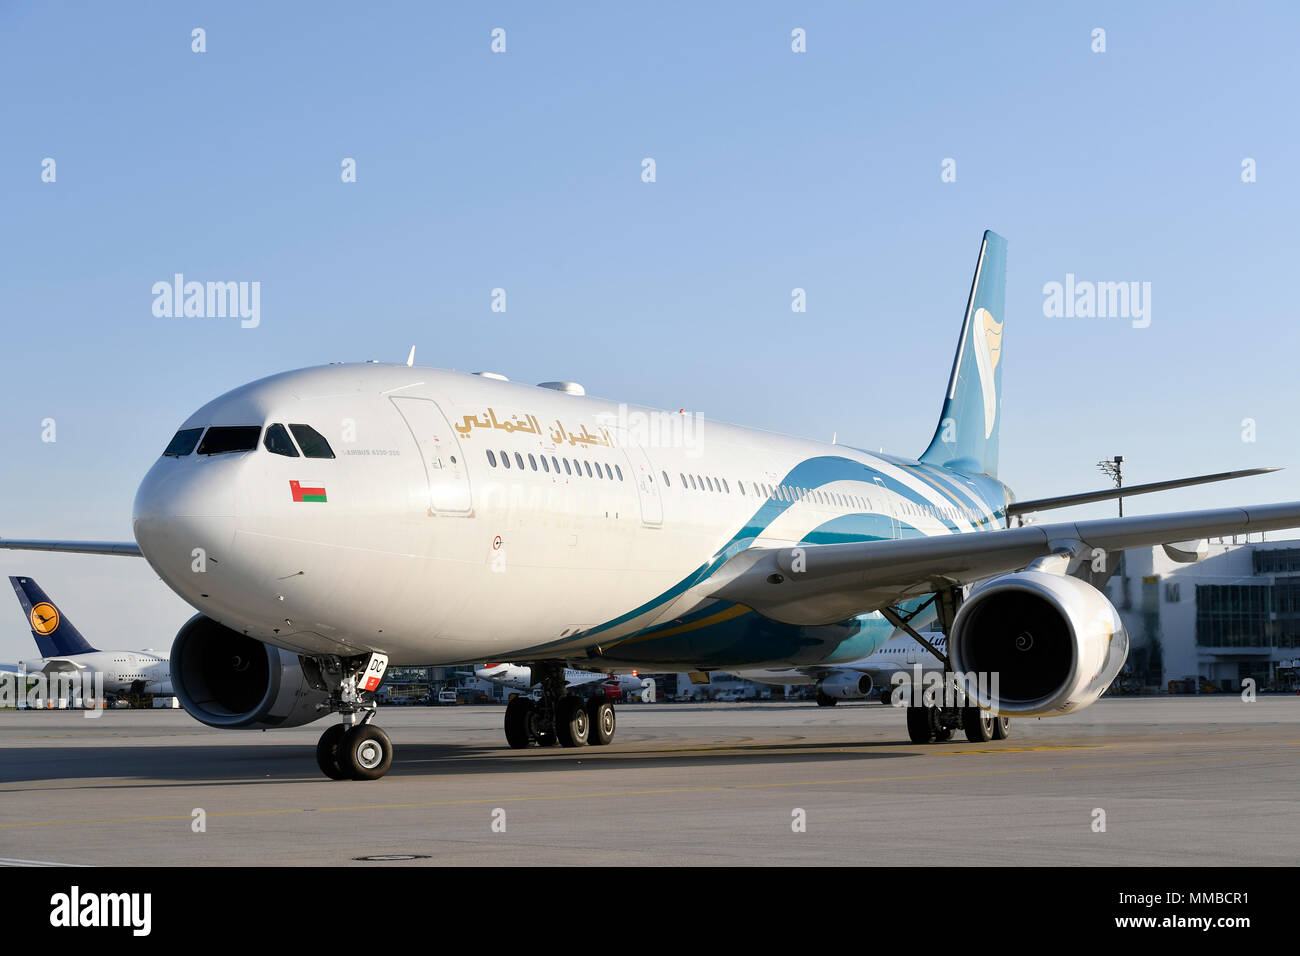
point(410, 359)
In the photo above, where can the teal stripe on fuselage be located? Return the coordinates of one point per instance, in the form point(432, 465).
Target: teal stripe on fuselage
point(751, 638)
point(785, 639)
point(948, 483)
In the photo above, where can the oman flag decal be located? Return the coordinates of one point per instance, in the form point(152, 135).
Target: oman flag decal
point(307, 491)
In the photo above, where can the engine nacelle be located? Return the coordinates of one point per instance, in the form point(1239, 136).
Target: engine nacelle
point(226, 679)
point(1054, 643)
point(846, 685)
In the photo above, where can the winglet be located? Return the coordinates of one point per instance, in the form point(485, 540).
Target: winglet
point(410, 359)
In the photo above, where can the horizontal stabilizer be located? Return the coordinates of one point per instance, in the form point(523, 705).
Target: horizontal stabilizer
point(1109, 494)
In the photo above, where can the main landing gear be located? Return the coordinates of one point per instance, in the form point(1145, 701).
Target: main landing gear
point(927, 724)
point(354, 749)
point(559, 717)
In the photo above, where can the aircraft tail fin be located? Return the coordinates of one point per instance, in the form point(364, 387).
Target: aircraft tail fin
point(966, 439)
point(55, 635)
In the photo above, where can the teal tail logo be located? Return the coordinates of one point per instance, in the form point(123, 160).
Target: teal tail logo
point(966, 439)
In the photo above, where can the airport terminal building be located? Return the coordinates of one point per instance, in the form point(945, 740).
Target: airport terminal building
point(1234, 614)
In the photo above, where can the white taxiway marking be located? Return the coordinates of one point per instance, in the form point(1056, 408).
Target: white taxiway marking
point(8, 862)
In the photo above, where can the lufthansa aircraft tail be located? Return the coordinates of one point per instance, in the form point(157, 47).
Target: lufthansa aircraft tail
point(967, 437)
point(55, 635)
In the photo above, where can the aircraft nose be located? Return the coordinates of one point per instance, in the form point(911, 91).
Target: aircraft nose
point(183, 504)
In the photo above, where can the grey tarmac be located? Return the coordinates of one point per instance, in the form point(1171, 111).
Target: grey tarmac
point(1198, 781)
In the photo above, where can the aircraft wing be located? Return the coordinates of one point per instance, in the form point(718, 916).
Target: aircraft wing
point(825, 583)
point(1107, 494)
point(810, 672)
point(73, 547)
point(879, 671)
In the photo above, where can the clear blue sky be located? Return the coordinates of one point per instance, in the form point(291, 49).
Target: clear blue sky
point(522, 170)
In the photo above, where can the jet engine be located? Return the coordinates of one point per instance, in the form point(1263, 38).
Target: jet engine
point(226, 679)
point(1033, 644)
point(846, 685)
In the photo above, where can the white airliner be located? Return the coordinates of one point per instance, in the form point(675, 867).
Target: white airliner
point(873, 675)
point(327, 521)
point(520, 677)
point(63, 649)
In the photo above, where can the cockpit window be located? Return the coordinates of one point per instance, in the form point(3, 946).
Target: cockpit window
point(312, 442)
point(223, 439)
point(182, 442)
point(278, 442)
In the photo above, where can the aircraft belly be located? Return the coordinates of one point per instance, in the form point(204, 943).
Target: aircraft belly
point(730, 635)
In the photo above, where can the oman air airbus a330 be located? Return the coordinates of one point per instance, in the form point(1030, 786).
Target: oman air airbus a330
point(328, 521)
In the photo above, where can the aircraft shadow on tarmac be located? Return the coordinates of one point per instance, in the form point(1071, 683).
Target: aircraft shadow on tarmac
point(95, 766)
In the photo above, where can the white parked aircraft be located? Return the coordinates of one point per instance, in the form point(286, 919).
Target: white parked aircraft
point(520, 677)
point(63, 649)
point(873, 675)
point(451, 517)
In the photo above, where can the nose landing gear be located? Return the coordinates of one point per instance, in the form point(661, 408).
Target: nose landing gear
point(354, 749)
point(363, 752)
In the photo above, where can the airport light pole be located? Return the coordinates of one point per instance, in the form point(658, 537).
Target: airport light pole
point(1115, 468)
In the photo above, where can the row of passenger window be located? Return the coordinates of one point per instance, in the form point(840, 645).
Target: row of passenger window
point(788, 493)
point(554, 464)
point(227, 439)
point(944, 513)
point(793, 493)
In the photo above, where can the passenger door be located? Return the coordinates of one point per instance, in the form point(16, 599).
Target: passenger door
point(887, 506)
point(440, 453)
point(642, 472)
